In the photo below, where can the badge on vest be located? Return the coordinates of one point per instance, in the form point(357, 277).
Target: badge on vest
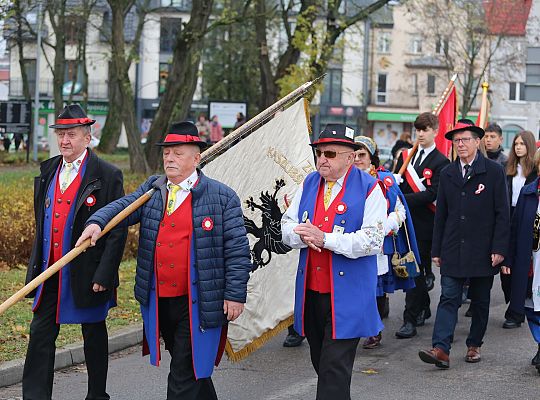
point(338, 229)
point(341, 207)
point(480, 188)
point(428, 174)
point(305, 216)
point(207, 224)
point(388, 182)
point(90, 200)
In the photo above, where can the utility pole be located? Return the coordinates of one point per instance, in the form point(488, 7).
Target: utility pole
point(36, 92)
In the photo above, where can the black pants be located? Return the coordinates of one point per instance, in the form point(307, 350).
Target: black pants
point(506, 285)
point(175, 330)
point(417, 298)
point(332, 359)
point(38, 371)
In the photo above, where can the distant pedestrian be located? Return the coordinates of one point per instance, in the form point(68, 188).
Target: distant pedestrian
point(18, 137)
point(470, 240)
point(203, 126)
point(240, 120)
point(6, 141)
point(216, 131)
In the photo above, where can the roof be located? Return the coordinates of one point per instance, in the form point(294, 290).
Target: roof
point(507, 17)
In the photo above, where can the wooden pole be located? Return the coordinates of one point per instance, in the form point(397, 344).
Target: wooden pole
point(484, 106)
point(436, 111)
point(73, 253)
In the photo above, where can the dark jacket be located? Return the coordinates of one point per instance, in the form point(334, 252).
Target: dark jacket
point(418, 203)
point(531, 177)
point(222, 255)
point(472, 219)
point(498, 156)
point(100, 263)
point(521, 242)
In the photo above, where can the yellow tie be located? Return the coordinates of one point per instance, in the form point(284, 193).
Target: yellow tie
point(65, 180)
point(172, 198)
point(328, 194)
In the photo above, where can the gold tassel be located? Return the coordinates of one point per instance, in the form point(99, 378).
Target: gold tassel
point(257, 343)
point(308, 119)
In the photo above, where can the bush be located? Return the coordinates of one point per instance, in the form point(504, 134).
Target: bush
point(17, 227)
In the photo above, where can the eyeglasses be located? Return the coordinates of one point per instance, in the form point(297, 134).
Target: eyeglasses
point(464, 140)
point(330, 153)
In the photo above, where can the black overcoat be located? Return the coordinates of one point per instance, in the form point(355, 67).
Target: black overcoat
point(472, 220)
point(100, 263)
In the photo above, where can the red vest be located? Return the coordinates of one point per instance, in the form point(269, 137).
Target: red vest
point(62, 205)
point(172, 251)
point(318, 264)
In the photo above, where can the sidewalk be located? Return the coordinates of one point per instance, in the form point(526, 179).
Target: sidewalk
point(11, 371)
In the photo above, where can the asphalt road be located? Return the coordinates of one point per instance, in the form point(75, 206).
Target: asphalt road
point(393, 371)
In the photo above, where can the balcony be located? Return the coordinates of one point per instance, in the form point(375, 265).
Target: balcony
point(97, 89)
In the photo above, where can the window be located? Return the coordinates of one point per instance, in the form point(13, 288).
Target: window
point(73, 72)
point(416, 46)
point(164, 69)
point(431, 84)
point(383, 43)
point(332, 87)
point(175, 3)
point(414, 83)
point(168, 32)
point(517, 91)
point(75, 29)
point(441, 46)
point(381, 89)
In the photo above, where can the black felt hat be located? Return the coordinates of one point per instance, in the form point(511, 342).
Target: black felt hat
point(337, 134)
point(72, 116)
point(183, 133)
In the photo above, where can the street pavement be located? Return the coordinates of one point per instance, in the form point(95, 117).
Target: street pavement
point(393, 371)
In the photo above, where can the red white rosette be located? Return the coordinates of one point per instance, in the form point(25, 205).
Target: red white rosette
point(428, 174)
point(207, 224)
point(341, 207)
point(388, 182)
point(90, 200)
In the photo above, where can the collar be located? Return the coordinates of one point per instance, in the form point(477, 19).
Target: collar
point(471, 163)
point(77, 163)
point(339, 182)
point(427, 150)
point(187, 183)
point(495, 153)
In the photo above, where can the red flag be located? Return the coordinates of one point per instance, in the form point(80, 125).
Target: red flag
point(447, 114)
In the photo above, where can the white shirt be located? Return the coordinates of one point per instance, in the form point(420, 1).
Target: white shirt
point(427, 150)
point(185, 187)
point(367, 241)
point(518, 182)
point(74, 171)
point(462, 164)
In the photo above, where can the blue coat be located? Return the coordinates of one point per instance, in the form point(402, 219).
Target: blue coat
point(219, 261)
point(472, 219)
point(521, 242)
point(353, 281)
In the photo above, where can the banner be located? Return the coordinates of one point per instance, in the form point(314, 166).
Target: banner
point(265, 170)
point(447, 119)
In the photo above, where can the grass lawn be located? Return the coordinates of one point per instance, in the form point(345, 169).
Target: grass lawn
point(15, 322)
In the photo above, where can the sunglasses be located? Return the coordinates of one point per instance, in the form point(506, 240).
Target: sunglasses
point(330, 153)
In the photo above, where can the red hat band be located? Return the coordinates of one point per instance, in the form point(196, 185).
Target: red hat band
point(174, 137)
point(69, 121)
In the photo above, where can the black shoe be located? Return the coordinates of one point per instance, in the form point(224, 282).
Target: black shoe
point(536, 359)
point(430, 282)
point(293, 340)
point(468, 313)
point(421, 319)
point(509, 324)
point(406, 331)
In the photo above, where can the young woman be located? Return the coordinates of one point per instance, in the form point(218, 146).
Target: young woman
point(523, 262)
point(520, 171)
point(367, 159)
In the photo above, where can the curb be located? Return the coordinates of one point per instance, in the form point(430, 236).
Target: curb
point(11, 371)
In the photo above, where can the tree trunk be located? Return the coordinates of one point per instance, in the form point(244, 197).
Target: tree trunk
point(137, 161)
point(182, 79)
point(57, 17)
point(110, 134)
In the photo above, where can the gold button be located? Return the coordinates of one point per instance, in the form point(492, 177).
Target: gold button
point(318, 268)
point(159, 264)
point(56, 215)
point(163, 224)
point(174, 284)
point(56, 245)
point(55, 230)
point(158, 244)
point(172, 265)
point(161, 282)
point(59, 201)
point(173, 224)
point(68, 201)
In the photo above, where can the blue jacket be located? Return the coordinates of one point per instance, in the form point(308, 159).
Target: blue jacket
point(222, 257)
point(521, 242)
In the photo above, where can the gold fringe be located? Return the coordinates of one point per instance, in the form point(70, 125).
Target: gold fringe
point(257, 343)
point(308, 118)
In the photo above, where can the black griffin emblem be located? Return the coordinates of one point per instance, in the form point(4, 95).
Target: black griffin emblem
point(269, 234)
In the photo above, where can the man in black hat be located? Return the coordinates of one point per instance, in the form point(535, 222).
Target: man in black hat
point(193, 263)
point(70, 188)
point(470, 240)
point(336, 220)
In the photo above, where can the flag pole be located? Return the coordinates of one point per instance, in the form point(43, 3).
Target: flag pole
point(248, 128)
point(436, 111)
point(484, 106)
point(73, 253)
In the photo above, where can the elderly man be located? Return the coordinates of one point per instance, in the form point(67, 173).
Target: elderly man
point(336, 219)
point(192, 266)
point(70, 188)
point(470, 240)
